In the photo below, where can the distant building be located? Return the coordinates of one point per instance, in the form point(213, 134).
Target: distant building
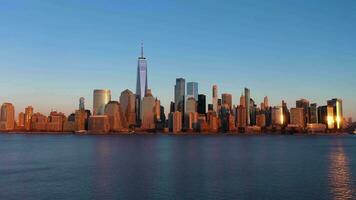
point(81, 103)
point(227, 100)
point(191, 106)
point(116, 117)
point(337, 116)
point(323, 114)
point(28, 117)
point(56, 121)
point(261, 120)
point(127, 104)
point(210, 107)
point(313, 113)
point(265, 102)
point(39, 122)
point(215, 98)
point(297, 117)
point(303, 103)
point(192, 90)
point(247, 105)
point(179, 94)
point(81, 120)
point(141, 84)
point(99, 124)
point(201, 104)
point(277, 116)
point(177, 122)
point(7, 117)
point(21, 120)
point(148, 111)
point(101, 98)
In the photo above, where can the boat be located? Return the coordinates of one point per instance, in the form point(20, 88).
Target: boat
point(81, 132)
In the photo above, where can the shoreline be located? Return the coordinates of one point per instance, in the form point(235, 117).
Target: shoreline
point(176, 134)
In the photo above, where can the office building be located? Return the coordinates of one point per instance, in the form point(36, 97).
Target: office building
point(28, 117)
point(297, 117)
point(226, 100)
point(201, 104)
point(148, 111)
point(179, 95)
point(81, 103)
point(177, 122)
point(247, 105)
point(192, 90)
point(191, 106)
point(127, 105)
point(303, 103)
point(337, 115)
point(215, 98)
point(115, 116)
point(313, 113)
point(99, 124)
point(101, 98)
point(7, 117)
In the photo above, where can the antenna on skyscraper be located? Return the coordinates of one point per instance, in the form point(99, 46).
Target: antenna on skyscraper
point(141, 49)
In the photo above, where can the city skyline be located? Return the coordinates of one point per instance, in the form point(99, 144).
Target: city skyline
point(51, 73)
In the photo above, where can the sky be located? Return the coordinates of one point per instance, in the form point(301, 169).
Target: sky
point(53, 52)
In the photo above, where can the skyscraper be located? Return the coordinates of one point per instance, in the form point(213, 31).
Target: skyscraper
point(148, 111)
point(81, 103)
point(201, 104)
point(247, 105)
point(215, 98)
point(179, 94)
point(101, 98)
point(313, 113)
point(7, 117)
point(303, 103)
point(141, 84)
point(226, 100)
point(191, 106)
point(115, 116)
point(265, 102)
point(192, 90)
point(338, 117)
point(28, 117)
point(127, 104)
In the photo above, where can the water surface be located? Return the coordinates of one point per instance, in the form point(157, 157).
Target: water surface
point(177, 167)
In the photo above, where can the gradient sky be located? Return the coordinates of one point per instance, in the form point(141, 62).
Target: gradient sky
point(53, 52)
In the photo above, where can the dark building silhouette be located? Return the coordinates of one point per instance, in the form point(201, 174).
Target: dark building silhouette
point(201, 104)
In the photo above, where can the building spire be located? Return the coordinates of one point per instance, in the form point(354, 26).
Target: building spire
point(141, 50)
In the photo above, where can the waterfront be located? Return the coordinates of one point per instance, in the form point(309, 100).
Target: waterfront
point(177, 167)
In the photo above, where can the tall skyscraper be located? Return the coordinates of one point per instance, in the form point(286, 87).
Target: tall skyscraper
point(115, 116)
point(303, 103)
point(101, 98)
point(247, 104)
point(141, 84)
point(201, 104)
point(81, 103)
point(313, 113)
point(179, 94)
point(265, 102)
point(148, 111)
point(338, 117)
point(192, 90)
point(215, 98)
point(7, 117)
point(191, 106)
point(226, 100)
point(127, 104)
point(28, 117)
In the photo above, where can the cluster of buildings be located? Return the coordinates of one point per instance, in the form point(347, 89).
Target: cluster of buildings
point(188, 113)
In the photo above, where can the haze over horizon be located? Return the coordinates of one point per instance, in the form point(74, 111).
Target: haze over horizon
point(52, 53)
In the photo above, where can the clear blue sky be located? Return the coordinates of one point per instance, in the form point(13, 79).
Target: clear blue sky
point(53, 52)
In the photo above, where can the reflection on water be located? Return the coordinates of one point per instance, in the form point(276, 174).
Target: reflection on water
point(339, 174)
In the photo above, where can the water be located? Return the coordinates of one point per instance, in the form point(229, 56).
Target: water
point(177, 167)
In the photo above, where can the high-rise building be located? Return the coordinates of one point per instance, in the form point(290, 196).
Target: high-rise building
point(191, 105)
point(241, 116)
point(323, 115)
point(28, 116)
point(127, 104)
point(277, 115)
point(247, 105)
point(141, 84)
point(179, 94)
point(81, 103)
point(192, 90)
point(261, 120)
point(286, 114)
point(303, 103)
point(148, 111)
point(101, 98)
point(56, 121)
point(7, 117)
point(21, 120)
point(337, 116)
point(177, 122)
point(227, 100)
point(115, 116)
point(201, 104)
point(215, 98)
point(99, 124)
point(297, 117)
point(265, 102)
point(313, 113)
